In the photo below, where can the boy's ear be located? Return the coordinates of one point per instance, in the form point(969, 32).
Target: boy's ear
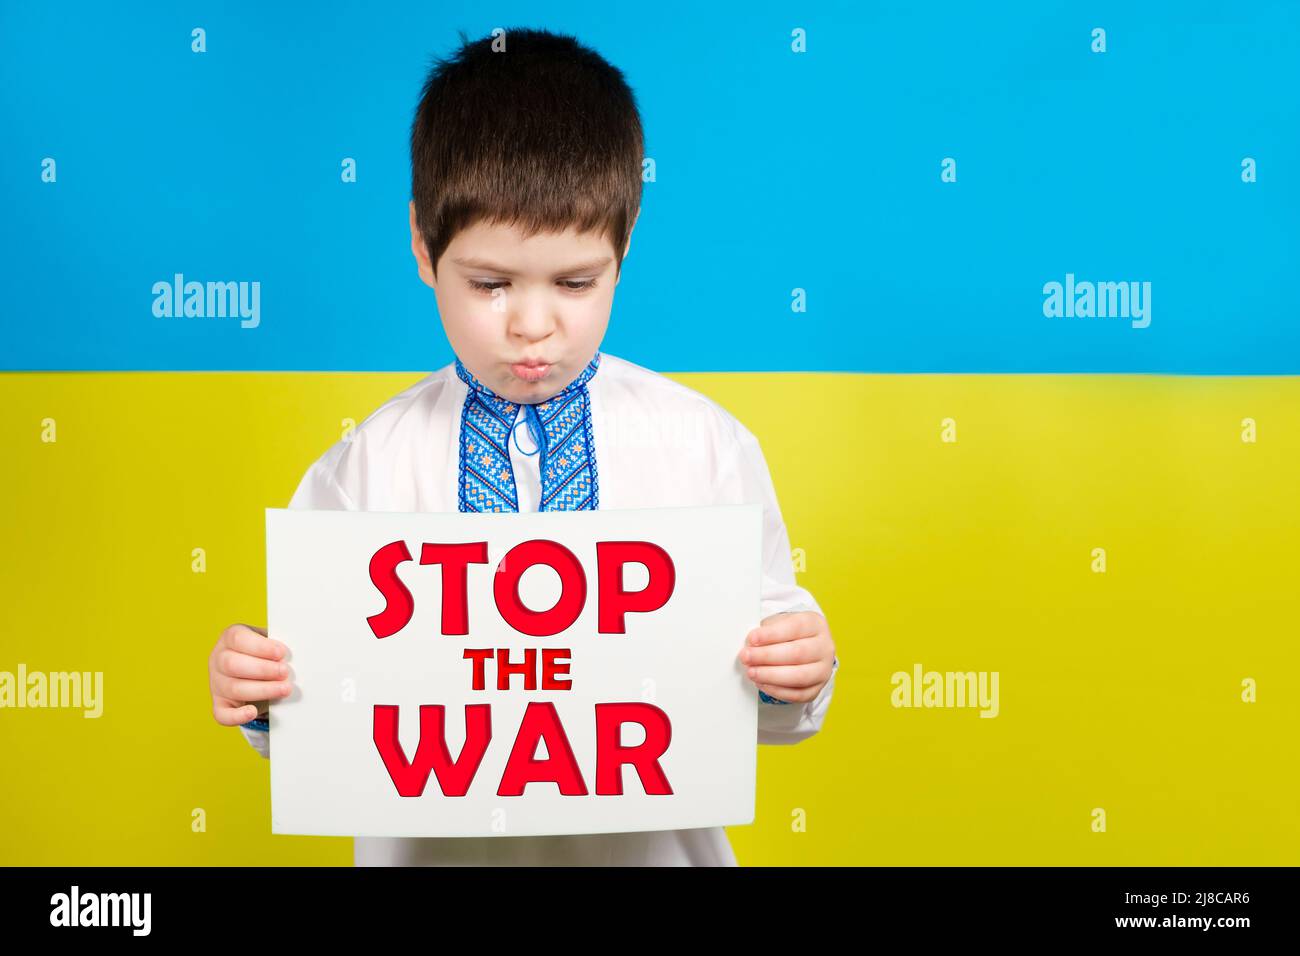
point(628, 246)
point(629, 232)
point(423, 265)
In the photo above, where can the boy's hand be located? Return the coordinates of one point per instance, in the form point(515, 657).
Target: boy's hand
point(790, 655)
point(246, 671)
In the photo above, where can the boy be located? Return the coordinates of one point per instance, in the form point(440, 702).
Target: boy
point(526, 183)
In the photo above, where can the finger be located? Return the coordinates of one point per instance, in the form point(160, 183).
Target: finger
point(234, 664)
point(231, 713)
point(244, 690)
point(791, 695)
point(252, 640)
point(790, 675)
point(801, 651)
point(783, 627)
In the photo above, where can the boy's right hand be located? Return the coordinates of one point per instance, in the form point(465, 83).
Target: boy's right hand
point(246, 671)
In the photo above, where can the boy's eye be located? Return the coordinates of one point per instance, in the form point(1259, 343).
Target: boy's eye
point(573, 285)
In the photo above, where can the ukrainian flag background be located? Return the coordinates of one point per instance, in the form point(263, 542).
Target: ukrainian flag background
point(853, 213)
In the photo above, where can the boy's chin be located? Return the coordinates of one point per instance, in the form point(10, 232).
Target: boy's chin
point(525, 393)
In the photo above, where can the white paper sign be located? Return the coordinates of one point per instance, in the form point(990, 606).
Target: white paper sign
point(615, 635)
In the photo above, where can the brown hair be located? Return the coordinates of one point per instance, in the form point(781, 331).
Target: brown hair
point(544, 133)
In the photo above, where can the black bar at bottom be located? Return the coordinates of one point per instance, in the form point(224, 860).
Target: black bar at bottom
point(750, 906)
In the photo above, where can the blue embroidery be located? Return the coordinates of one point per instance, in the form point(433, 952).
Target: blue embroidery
point(561, 428)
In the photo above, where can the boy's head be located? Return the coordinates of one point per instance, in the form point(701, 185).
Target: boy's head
point(526, 156)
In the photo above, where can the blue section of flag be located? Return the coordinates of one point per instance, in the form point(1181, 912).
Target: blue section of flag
point(775, 171)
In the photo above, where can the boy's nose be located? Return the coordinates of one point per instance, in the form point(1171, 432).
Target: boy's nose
point(532, 323)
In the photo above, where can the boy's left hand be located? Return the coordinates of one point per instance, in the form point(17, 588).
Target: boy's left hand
point(790, 655)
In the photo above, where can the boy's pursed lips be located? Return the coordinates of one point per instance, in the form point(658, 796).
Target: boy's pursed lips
point(531, 372)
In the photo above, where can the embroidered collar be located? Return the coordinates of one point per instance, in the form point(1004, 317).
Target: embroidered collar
point(561, 429)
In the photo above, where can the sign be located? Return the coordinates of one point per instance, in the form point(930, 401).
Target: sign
point(513, 674)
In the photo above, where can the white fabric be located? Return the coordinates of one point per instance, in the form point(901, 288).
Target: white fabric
point(658, 444)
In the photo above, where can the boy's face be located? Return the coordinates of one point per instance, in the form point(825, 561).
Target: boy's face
point(507, 301)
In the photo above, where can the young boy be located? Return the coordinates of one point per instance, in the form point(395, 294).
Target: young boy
point(527, 182)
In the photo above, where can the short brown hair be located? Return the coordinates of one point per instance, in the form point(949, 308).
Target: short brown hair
point(544, 133)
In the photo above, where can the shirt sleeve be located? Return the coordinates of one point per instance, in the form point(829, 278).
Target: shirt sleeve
point(258, 739)
point(317, 491)
point(779, 722)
